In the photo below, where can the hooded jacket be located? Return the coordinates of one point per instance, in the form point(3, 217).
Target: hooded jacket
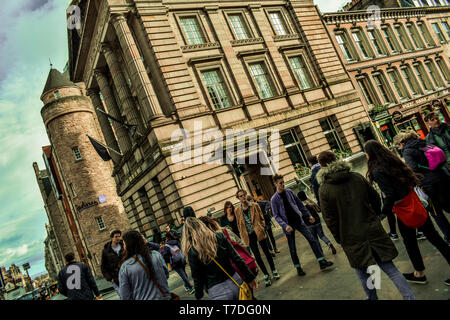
point(350, 208)
point(415, 158)
point(110, 262)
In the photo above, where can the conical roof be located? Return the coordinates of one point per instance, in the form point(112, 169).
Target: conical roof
point(56, 80)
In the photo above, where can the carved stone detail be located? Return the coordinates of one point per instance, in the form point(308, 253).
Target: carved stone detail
point(199, 47)
point(244, 42)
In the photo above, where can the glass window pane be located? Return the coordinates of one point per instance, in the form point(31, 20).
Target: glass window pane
point(278, 23)
point(397, 86)
point(192, 30)
point(239, 27)
point(216, 89)
point(375, 43)
point(301, 72)
point(262, 80)
point(360, 44)
point(389, 40)
point(438, 32)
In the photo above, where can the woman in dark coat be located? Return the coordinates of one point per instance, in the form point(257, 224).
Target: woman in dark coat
point(396, 180)
point(351, 208)
point(435, 183)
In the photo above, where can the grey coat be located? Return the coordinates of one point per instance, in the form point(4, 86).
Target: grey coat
point(135, 284)
point(350, 208)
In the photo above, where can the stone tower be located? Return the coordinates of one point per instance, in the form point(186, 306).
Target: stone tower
point(86, 180)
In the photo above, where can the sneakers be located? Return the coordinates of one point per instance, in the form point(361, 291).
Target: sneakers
point(272, 253)
point(333, 249)
point(300, 272)
point(187, 289)
point(393, 236)
point(420, 236)
point(277, 251)
point(324, 264)
point(447, 282)
point(275, 274)
point(267, 280)
point(410, 277)
point(191, 291)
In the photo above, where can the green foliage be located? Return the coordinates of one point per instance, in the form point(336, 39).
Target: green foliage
point(342, 154)
point(302, 171)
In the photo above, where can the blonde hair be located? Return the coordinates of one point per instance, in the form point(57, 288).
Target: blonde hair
point(403, 136)
point(198, 236)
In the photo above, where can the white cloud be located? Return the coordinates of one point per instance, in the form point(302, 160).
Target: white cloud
point(329, 5)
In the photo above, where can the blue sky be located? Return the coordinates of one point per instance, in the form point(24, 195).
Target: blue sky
point(31, 32)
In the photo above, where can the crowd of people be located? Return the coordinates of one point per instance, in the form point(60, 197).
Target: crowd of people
point(224, 253)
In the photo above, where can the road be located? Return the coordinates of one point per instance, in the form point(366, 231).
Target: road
point(340, 283)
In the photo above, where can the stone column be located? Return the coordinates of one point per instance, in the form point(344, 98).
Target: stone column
point(139, 77)
point(123, 137)
point(105, 126)
point(126, 100)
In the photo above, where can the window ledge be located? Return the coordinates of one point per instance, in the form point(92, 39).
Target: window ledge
point(285, 37)
point(244, 42)
point(199, 47)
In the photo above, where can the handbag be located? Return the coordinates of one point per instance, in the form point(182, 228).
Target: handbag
point(411, 211)
point(245, 255)
point(244, 290)
point(173, 296)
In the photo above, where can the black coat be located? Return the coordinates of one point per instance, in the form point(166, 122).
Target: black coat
point(350, 208)
point(208, 275)
point(87, 286)
point(110, 262)
point(415, 158)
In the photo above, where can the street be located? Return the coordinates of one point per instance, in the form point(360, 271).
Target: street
point(339, 283)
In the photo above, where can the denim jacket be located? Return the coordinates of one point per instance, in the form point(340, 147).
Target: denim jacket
point(279, 212)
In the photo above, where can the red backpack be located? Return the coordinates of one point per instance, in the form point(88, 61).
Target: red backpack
point(245, 255)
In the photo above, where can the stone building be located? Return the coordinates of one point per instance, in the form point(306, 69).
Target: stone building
point(82, 205)
point(397, 63)
point(167, 65)
point(53, 258)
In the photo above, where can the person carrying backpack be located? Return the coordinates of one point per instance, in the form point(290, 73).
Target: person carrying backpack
point(434, 180)
point(172, 254)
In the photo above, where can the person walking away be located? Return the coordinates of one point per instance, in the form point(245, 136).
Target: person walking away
point(315, 167)
point(143, 273)
point(397, 181)
point(267, 214)
point(172, 254)
point(435, 183)
point(316, 227)
point(351, 209)
point(286, 208)
point(111, 257)
point(236, 243)
point(439, 134)
point(202, 246)
point(75, 280)
point(251, 225)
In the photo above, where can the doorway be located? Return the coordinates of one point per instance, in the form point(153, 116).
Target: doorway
point(259, 186)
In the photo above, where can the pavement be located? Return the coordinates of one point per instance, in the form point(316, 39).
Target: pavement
point(338, 283)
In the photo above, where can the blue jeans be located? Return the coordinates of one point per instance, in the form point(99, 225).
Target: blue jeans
point(182, 272)
point(394, 274)
point(317, 232)
point(227, 290)
point(313, 242)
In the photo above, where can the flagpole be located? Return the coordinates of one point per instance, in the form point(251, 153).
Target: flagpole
point(105, 146)
point(122, 123)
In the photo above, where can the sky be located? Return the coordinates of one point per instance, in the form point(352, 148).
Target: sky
point(31, 33)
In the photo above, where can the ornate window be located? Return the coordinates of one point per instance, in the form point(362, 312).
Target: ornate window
point(425, 33)
point(400, 31)
point(374, 38)
point(262, 79)
point(398, 85)
point(438, 32)
point(382, 88)
point(434, 74)
point(345, 46)
point(390, 39)
point(420, 73)
point(410, 80)
point(367, 90)
point(239, 26)
point(301, 72)
point(415, 36)
point(192, 30)
point(217, 90)
point(443, 67)
point(358, 37)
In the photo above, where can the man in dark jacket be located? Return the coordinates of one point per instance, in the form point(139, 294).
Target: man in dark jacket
point(350, 207)
point(286, 208)
point(439, 134)
point(75, 280)
point(111, 257)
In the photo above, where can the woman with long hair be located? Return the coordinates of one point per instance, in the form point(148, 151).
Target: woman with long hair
point(202, 245)
point(143, 273)
point(228, 218)
point(435, 183)
point(396, 180)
